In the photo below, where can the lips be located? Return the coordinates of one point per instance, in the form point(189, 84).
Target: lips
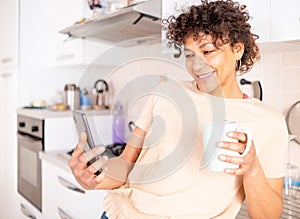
point(205, 76)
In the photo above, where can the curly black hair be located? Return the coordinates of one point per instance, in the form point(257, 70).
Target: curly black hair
point(222, 19)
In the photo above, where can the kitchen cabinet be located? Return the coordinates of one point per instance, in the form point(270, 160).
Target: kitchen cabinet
point(41, 44)
point(26, 210)
point(285, 20)
point(92, 50)
point(9, 33)
point(69, 198)
point(8, 143)
point(259, 11)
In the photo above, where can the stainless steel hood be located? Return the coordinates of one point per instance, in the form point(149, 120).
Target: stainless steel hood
point(136, 21)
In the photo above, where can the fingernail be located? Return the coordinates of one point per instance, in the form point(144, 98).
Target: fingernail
point(228, 171)
point(222, 157)
point(82, 135)
point(220, 144)
point(230, 134)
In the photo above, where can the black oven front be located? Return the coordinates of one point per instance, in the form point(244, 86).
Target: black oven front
point(30, 143)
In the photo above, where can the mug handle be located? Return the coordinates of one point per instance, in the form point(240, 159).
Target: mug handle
point(249, 139)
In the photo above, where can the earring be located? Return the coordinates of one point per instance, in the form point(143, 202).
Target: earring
point(238, 65)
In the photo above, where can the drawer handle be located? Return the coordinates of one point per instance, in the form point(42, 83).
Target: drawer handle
point(6, 60)
point(69, 185)
point(6, 75)
point(62, 214)
point(26, 212)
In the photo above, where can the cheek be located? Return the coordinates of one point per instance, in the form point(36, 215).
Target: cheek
point(188, 65)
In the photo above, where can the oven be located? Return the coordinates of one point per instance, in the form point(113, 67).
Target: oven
point(30, 143)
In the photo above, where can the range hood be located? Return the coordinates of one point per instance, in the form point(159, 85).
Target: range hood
point(135, 21)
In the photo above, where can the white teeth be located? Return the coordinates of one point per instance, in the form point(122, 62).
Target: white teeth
point(205, 75)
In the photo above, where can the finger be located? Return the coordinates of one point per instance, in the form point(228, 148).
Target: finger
point(75, 158)
point(97, 165)
point(90, 154)
point(82, 141)
point(237, 172)
point(234, 146)
point(232, 159)
point(240, 136)
point(100, 177)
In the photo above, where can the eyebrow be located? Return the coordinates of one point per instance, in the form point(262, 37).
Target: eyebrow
point(200, 46)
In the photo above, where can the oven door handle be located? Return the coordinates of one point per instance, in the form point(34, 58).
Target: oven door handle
point(62, 214)
point(26, 212)
point(69, 185)
point(29, 141)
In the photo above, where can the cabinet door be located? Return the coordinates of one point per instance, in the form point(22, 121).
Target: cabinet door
point(259, 11)
point(8, 143)
point(41, 44)
point(285, 20)
point(25, 210)
point(69, 199)
point(9, 33)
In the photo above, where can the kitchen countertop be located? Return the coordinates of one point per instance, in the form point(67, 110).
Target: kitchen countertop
point(45, 113)
point(57, 158)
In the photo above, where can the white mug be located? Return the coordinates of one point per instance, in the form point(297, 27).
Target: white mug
point(215, 132)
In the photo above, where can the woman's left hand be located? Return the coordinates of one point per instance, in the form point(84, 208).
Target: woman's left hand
point(247, 162)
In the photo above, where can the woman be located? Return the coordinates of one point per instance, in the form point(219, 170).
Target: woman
point(214, 36)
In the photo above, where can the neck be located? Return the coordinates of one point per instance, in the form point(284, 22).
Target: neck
point(232, 91)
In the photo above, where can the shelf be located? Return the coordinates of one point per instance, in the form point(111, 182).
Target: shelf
point(128, 23)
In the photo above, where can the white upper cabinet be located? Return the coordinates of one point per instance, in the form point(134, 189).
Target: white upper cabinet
point(259, 11)
point(41, 44)
point(9, 33)
point(285, 20)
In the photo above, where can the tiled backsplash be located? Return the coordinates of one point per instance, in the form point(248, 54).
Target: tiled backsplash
point(279, 73)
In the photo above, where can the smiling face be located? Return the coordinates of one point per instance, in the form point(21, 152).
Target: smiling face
point(213, 67)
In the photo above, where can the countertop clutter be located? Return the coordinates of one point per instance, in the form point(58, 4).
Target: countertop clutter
point(47, 113)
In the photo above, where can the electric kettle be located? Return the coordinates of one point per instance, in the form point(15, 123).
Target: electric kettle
point(101, 100)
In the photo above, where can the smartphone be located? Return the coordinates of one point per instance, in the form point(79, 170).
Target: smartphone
point(82, 125)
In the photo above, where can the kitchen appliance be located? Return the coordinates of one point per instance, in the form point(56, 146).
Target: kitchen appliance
point(257, 89)
point(101, 91)
point(71, 96)
point(30, 143)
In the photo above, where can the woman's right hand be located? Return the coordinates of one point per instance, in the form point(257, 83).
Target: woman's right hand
point(84, 173)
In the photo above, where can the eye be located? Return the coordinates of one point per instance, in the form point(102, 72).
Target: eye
point(188, 56)
point(208, 52)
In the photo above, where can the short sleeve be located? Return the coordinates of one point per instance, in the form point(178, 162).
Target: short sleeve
point(272, 156)
point(145, 118)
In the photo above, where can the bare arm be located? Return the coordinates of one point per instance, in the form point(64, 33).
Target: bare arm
point(263, 195)
point(115, 170)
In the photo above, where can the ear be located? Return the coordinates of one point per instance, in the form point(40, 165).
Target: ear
point(238, 50)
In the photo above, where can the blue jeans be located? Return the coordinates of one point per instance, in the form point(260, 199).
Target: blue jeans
point(103, 216)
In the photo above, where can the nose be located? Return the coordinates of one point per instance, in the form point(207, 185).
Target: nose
point(199, 64)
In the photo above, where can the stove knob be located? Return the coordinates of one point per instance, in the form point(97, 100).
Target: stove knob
point(34, 128)
point(22, 124)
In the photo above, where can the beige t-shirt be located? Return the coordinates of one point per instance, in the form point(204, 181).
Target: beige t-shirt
point(167, 180)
